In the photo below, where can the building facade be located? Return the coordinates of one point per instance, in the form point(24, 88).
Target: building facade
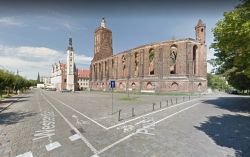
point(64, 76)
point(83, 79)
point(58, 76)
point(168, 66)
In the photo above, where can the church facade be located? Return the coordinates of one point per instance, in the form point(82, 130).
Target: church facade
point(168, 66)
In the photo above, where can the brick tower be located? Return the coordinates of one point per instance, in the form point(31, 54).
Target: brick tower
point(103, 42)
point(200, 32)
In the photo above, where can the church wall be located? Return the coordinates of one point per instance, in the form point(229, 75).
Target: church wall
point(170, 66)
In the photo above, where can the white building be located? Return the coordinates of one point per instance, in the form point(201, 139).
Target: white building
point(83, 79)
point(64, 76)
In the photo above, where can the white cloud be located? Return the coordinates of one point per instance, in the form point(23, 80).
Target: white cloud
point(67, 25)
point(10, 21)
point(31, 60)
point(82, 59)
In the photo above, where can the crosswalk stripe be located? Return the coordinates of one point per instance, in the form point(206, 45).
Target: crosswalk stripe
point(52, 146)
point(27, 154)
point(74, 137)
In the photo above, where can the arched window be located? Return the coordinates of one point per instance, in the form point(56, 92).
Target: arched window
point(133, 85)
point(113, 68)
point(174, 86)
point(151, 58)
point(194, 60)
point(173, 59)
point(199, 87)
point(120, 85)
point(149, 85)
point(123, 66)
point(136, 64)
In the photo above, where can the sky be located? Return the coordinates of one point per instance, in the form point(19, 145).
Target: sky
point(34, 34)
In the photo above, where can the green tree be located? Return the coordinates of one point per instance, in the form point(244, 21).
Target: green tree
point(216, 82)
point(232, 45)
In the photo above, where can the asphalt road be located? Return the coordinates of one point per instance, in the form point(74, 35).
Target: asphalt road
point(52, 124)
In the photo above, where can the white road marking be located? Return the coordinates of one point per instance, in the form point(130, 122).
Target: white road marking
point(134, 133)
point(93, 149)
point(92, 120)
point(115, 143)
point(52, 146)
point(74, 137)
point(95, 155)
point(48, 126)
point(27, 154)
point(119, 124)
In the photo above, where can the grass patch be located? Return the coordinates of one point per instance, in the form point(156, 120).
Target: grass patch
point(126, 98)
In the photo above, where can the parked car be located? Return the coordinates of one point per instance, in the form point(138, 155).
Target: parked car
point(66, 91)
point(51, 89)
point(233, 91)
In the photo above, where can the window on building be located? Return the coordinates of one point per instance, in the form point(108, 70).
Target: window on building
point(113, 68)
point(173, 59)
point(151, 58)
point(136, 64)
point(194, 59)
point(123, 66)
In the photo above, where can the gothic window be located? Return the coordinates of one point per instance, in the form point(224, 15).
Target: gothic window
point(173, 58)
point(151, 58)
point(120, 85)
point(194, 59)
point(174, 86)
point(133, 86)
point(149, 85)
point(199, 87)
point(113, 70)
point(123, 66)
point(136, 64)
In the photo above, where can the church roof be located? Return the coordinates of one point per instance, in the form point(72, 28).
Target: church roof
point(200, 23)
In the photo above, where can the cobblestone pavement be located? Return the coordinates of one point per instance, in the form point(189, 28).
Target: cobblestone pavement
point(53, 124)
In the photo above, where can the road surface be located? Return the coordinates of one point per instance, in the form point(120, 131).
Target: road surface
point(53, 124)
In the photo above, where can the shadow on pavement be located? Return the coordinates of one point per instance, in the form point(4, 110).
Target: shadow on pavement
point(9, 118)
point(233, 104)
point(9, 101)
point(230, 130)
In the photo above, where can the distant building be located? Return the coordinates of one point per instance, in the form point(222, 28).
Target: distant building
point(45, 79)
point(64, 76)
point(83, 79)
point(58, 76)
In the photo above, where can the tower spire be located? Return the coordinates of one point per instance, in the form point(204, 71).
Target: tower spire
point(70, 46)
point(103, 23)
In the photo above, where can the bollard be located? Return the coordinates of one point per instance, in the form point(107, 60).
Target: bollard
point(133, 112)
point(189, 97)
point(171, 101)
point(119, 115)
point(153, 106)
point(167, 103)
point(160, 104)
point(176, 100)
point(183, 98)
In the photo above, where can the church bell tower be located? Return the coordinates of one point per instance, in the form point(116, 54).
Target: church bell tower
point(200, 32)
point(70, 67)
point(103, 42)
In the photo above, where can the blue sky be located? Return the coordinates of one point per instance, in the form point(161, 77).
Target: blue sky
point(32, 37)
